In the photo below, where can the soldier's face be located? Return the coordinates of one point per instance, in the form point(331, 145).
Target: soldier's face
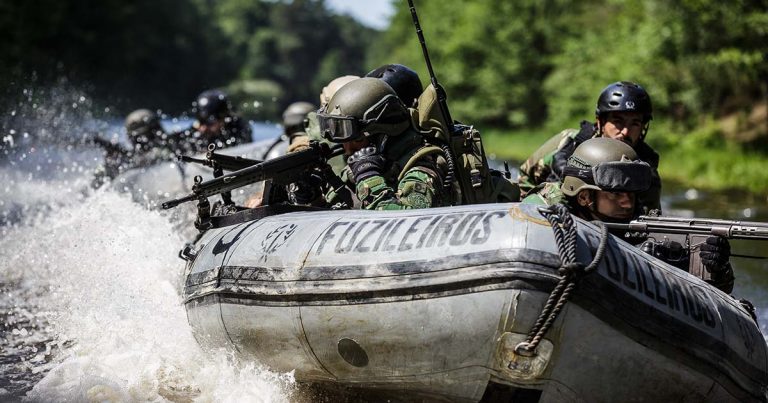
point(615, 205)
point(624, 126)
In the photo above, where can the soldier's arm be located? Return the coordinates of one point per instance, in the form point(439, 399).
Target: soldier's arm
point(538, 167)
point(417, 189)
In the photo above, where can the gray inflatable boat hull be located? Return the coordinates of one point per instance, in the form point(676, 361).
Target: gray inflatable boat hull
point(431, 303)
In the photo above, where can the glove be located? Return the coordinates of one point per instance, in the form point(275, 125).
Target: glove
point(366, 163)
point(715, 253)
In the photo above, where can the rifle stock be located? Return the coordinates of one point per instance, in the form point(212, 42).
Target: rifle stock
point(281, 170)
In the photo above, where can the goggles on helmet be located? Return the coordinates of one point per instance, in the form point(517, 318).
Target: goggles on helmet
point(341, 128)
point(615, 176)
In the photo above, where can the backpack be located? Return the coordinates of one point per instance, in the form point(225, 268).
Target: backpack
point(471, 179)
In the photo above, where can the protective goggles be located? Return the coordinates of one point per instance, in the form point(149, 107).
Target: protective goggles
point(341, 128)
point(615, 176)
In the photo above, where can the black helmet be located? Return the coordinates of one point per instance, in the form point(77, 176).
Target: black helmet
point(605, 164)
point(363, 107)
point(212, 105)
point(624, 96)
point(143, 126)
point(402, 79)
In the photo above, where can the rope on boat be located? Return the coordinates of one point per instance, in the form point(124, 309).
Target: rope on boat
point(571, 270)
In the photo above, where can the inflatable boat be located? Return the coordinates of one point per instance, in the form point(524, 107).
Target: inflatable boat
point(435, 304)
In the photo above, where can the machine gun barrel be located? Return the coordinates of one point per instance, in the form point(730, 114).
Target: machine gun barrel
point(281, 170)
point(701, 226)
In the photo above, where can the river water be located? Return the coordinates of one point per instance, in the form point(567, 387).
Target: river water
point(90, 308)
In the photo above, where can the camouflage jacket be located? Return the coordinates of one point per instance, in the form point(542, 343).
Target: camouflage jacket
point(546, 194)
point(414, 179)
point(546, 164)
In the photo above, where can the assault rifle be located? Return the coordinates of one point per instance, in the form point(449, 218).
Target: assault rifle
point(216, 161)
point(282, 170)
point(669, 234)
point(461, 144)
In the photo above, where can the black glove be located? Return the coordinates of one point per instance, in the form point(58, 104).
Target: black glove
point(715, 253)
point(366, 163)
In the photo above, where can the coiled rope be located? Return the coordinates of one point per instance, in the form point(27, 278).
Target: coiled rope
point(571, 270)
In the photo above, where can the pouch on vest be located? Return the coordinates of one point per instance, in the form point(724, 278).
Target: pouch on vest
point(469, 166)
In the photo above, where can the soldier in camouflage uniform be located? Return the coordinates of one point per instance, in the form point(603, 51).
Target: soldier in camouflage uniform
point(623, 112)
point(389, 164)
point(602, 180)
point(151, 144)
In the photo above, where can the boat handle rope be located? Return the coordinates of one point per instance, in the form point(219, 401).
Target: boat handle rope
point(571, 270)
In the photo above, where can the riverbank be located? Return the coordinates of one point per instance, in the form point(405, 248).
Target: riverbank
point(700, 160)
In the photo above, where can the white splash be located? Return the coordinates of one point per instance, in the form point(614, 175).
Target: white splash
point(103, 274)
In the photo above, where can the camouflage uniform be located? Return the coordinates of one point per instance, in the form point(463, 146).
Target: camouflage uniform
point(546, 194)
point(546, 164)
point(414, 180)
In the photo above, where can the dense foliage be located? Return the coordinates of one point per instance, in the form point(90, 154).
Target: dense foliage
point(506, 65)
point(527, 62)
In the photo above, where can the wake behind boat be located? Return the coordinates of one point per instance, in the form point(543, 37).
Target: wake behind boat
point(435, 304)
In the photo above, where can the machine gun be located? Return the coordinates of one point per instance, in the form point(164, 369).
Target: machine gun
point(461, 144)
point(675, 238)
point(282, 170)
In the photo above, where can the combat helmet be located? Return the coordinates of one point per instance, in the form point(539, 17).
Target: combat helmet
point(295, 115)
point(402, 79)
point(143, 127)
point(624, 96)
point(212, 105)
point(363, 107)
point(605, 164)
point(333, 86)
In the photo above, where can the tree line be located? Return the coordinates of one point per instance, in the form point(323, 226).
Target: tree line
point(505, 64)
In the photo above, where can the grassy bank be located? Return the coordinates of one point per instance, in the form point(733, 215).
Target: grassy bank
point(700, 159)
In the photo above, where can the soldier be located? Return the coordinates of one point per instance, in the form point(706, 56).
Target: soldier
point(602, 180)
point(623, 112)
point(390, 166)
point(217, 123)
point(150, 142)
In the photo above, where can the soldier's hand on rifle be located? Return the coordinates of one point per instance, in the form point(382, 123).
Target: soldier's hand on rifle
point(366, 163)
point(715, 254)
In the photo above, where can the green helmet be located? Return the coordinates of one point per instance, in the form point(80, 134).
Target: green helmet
point(363, 107)
point(143, 126)
point(294, 116)
point(605, 164)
